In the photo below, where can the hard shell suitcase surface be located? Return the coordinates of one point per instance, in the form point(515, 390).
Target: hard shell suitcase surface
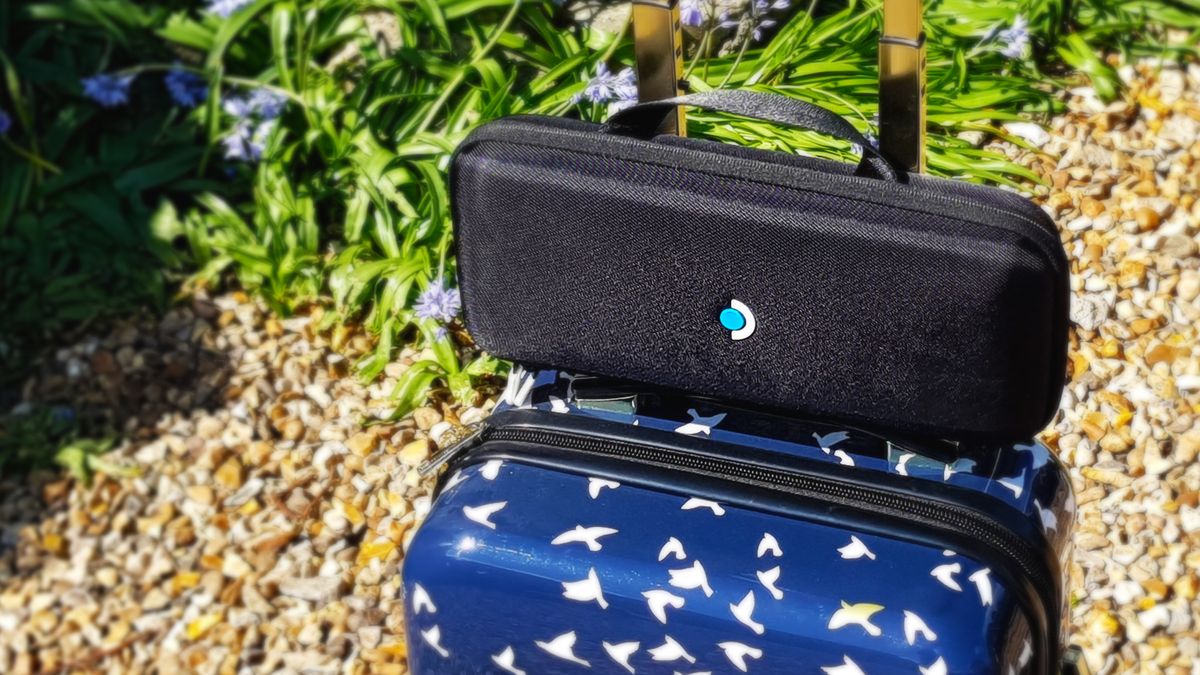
point(596, 526)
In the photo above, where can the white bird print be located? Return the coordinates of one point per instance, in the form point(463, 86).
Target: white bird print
point(563, 647)
point(585, 590)
point(621, 652)
point(951, 469)
point(827, 441)
point(659, 600)
point(691, 577)
point(670, 650)
point(855, 550)
point(743, 610)
point(517, 391)
point(491, 468)
point(584, 535)
point(697, 503)
point(737, 653)
point(948, 553)
point(421, 602)
point(858, 614)
point(507, 661)
point(1026, 653)
point(846, 667)
point(768, 578)
point(936, 668)
point(1015, 488)
point(570, 393)
point(902, 463)
point(482, 514)
point(433, 637)
point(945, 574)
point(984, 583)
point(672, 547)
point(456, 478)
point(845, 459)
point(1049, 520)
point(595, 485)
point(558, 405)
point(769, 544)
point(700, 425)
point(913, 625)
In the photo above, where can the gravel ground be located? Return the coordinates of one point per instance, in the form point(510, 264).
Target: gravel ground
point(265, 524)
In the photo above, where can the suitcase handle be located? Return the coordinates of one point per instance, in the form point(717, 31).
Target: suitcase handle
point(643, 119)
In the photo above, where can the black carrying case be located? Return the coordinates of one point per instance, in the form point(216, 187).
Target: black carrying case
point(905, 302)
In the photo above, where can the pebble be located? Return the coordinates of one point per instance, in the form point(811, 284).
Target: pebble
point(246, 524)
point(1129, 426)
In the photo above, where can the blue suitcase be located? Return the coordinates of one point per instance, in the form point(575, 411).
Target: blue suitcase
point(594, 526)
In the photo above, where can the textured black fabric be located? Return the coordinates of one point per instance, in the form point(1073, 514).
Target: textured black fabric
point(930, 307)
point(644, 118)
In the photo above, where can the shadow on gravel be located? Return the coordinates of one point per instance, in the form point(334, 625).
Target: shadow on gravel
point(102, 393)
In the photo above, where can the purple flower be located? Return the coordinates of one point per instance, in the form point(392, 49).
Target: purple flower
point(5, 123)
point(759, 14)
point(246, 141)
point(691, 12)
point(62, 414)
point(188, 90)
point(225, 8)
point(268, 104)
point(619, 90)
point(107, 90)
point(261, 103)
point(871, 138)
point(1015, 39)
point(439, 302)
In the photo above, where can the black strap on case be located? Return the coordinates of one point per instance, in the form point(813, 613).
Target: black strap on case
point(644, 119)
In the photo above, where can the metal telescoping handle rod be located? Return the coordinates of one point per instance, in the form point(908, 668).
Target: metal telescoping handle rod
point(658, 47)
point(902, 84)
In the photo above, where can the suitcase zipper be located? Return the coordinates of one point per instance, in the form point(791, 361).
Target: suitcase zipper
point(956, 519)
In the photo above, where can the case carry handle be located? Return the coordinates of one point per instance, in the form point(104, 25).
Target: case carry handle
point(658, 47)
point(645, 118)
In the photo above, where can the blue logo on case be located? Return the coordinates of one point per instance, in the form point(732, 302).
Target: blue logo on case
point(738, 320)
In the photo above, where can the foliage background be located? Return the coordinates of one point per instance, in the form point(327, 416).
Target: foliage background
point(106, 211)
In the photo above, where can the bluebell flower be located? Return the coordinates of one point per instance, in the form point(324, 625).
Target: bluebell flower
point(188, 90)
point(439, 302)
point(261, 103)
point(225, 8)
point(760, 18)
point(1015, 39)
point(691, 12)
point(757, 16)
point(619, 91)
point(5, 123)
point(247, 141)
point(871, 138)
point(62, 414)
point(267, 104)
point(107, 90)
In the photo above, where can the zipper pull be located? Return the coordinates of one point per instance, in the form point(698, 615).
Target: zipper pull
point(442, 458)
